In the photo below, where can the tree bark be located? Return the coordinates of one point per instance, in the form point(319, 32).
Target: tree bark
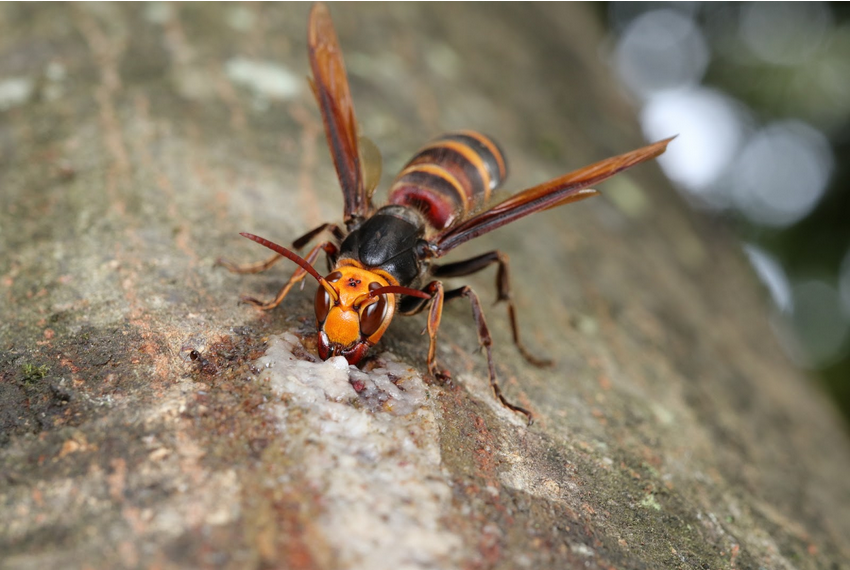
point(150, 420)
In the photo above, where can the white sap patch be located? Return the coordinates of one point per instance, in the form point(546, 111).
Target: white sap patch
point(371, 452)
point(265, 79)
point(14, 91)
point(157, 12)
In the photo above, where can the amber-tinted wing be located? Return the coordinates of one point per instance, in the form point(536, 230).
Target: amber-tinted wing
point(330, 86)
point(563, 190)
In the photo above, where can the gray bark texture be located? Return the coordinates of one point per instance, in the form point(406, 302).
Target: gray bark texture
point(136, 141)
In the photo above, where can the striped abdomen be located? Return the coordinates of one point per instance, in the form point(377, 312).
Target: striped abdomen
point(449, 177)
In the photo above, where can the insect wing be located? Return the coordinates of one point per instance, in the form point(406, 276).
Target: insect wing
point(562, 190)
point(330, 86)
point(371, 163)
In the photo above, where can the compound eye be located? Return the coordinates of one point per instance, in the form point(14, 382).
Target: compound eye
point(323, 304)
point(323, 300)
point(372, 317)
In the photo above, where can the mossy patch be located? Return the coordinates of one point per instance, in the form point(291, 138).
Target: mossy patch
point(31, 373)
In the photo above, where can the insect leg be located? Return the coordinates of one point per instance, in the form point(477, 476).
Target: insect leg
point(308, 237)
point(503, 286)
point(297, 245)
point(435, 288)
point(328, 247)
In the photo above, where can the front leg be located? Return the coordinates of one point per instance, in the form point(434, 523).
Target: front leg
point(438, 297)
point(297, 245)
point(329, 248)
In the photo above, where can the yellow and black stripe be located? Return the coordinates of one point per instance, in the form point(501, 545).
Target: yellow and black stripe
point(450, 177)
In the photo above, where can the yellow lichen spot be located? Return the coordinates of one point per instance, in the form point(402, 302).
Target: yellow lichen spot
point(650, 502)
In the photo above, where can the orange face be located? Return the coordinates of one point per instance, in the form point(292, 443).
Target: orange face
point(352, 324)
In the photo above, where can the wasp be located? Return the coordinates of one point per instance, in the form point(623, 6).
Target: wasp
point(382, 260)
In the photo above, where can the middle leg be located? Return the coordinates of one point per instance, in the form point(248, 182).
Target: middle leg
point(438, 297)
point(503, 286)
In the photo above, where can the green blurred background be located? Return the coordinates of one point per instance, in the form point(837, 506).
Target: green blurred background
point(760, 95)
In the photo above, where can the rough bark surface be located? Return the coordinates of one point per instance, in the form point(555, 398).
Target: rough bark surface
point(137, 141)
